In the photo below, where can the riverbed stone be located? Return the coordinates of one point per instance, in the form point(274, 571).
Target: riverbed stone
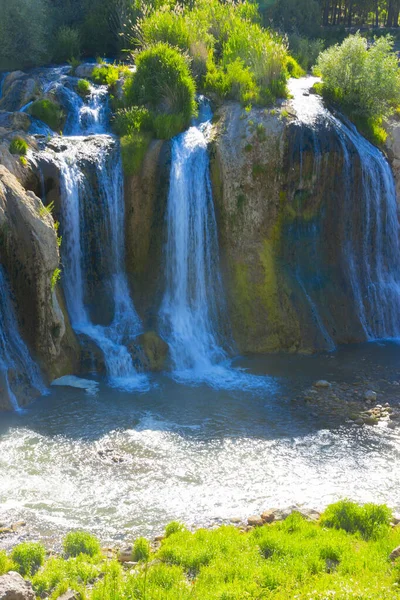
point(268, 516)
point(125, 554)
point(255, 521)
point(15, 587)
point(322, 383)
point(395, 553)
point(370, 396)
point(69, 595)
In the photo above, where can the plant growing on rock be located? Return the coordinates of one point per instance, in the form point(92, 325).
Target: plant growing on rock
point(49, 112)
point(81, 542)
point(28, 557)
point(365, 81)
point(83, 87)
point(163, 84)
point(18, 146)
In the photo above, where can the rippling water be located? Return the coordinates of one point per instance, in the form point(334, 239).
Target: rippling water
point(121, 463)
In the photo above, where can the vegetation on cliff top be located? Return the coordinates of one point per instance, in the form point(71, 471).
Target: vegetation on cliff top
point(363, 81)
point(345, 555)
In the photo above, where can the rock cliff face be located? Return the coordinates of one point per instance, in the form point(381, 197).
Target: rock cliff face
point(280, 195)
point(145, 201)
point(29, 254)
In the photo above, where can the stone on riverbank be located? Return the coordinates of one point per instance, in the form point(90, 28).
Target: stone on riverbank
point(14, 587)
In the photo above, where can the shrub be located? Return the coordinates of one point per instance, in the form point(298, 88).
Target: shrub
point(370, 520)
point(81, 542)
point(236, 81)
point(164, 84)
point(67, 44)
point(141, 549)
point(165, 25)
point(83, 87)
point(28, 557)
point(49, 112)
point(106, 75)
point(293, 68)
point(174, 527)
point(305, 51)
point(364, 81)
point(18, 146)
point(129, 120)
point(133, 151)
point(6, 563)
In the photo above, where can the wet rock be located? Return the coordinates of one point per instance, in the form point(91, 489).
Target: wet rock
point(159, 538)
point(310, 514)
point(395, 553)
point(155, 351)
point(268, 516)
point(14, 587)
point(125, 554)
point(235, 520)
point(14, 121)
point(85, 70)
point(322, 384)
point(255, 521)
point(370, 396)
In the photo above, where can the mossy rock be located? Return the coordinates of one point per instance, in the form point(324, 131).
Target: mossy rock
point(155, 350)
point(49, 112)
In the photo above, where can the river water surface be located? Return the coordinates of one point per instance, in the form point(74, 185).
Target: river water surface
point(121, 464)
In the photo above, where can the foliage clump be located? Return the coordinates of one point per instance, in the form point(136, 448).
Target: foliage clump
point(28, 557)
point(67, 44)
point(83, 87)
point(81, 542)
point(370, 520)
point(363, 80)
point(18, 146)
point(141, 550)
point(49, 112)
point(174, 527)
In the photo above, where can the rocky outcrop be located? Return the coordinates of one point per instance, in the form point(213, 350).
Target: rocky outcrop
point(15, 587)
point(30, 256)
point(18, 89)
point(279, 191)
point(392, 147)
point(145, 204)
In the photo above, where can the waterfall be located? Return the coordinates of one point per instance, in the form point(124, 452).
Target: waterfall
point(20, 374)
point(107, 231)
point(193, 311)
point(369, 217)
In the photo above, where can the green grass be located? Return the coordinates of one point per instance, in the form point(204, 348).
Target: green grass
point(18, 146)
point(344, 556)
point(49, 112)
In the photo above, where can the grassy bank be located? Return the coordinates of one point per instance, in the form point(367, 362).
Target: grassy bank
point(346, 554)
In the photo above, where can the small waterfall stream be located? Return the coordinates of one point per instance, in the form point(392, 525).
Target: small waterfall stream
point(20, 374)
point(193, 312)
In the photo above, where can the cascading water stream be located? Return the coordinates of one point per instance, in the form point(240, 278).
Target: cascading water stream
point(193, 312)
point(370, 218)
point(125, 325)
point(16, 365)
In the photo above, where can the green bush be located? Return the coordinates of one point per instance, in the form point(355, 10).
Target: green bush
point(133, 150)
point(83, 87)
point(174, 527)
point(18, 146)
point(49, 112)
point(305, 50)
point(6, 564)
point(130, 120)
point(370, 520)
point(141, 550)
point(67, 44)
point(106, 75)
point(163, 83)
point(81, 542)
point(364, 81)
point(293, 68)
point(28, 557)
point(236, 82)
